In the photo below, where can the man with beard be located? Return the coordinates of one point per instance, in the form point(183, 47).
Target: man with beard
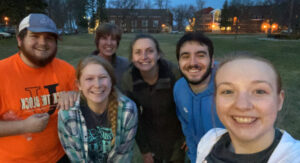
point(31, 82)
point(193, 93)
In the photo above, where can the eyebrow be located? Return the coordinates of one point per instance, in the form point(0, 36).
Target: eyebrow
point(255, 82)
point(197, 52)
point(262, 81)
point(223, 83)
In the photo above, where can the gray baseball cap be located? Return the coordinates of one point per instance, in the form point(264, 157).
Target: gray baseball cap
point(38, 23)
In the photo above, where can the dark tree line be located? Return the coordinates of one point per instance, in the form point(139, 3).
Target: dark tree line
point(16, 10)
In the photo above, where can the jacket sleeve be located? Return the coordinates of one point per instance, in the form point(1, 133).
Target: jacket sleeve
point(122, 153)
point(70, 138)
point(127, 89)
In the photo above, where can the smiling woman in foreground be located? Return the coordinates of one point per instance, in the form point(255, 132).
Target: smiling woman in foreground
point(101, 126)
point(248, 97)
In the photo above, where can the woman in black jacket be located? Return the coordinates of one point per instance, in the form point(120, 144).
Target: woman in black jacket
point(149, 82)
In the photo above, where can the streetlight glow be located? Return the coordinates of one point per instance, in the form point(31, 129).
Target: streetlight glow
point(6, 19)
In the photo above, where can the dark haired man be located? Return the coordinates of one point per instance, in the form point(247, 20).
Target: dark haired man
point(32, 81)
point(193, 93)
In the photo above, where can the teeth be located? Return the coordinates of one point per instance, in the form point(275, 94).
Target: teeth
point(41, 49)
point(193, 70)
point(108, 48)
point(98, 92)
point(244, 119)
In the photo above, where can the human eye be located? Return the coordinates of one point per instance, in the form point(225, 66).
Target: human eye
point(137, 52)
point(226, 92)
point(150, 50)
point(89, 78)
point(184, 56)
point(201, 55)
point(50, 38)
point(33, 36)
point(260, 91)
point(103, 77)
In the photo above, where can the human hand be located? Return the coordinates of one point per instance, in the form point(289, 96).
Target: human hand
point(148, 158)
point(184, 146)
point(36, 123)
point(67, 99)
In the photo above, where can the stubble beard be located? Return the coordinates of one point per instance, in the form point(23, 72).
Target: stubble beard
point(203, 78)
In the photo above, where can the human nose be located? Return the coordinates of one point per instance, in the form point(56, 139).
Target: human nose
point(97, 82)
point(109, 41)
point(42, 40)
point(243, 101)
point(193, 60)
point(144, 55)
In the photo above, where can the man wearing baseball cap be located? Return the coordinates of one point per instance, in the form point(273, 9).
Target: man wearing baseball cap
point(31, 82)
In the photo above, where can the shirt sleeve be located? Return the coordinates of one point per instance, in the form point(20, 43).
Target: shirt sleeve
point(122, 153)
point(70, 138)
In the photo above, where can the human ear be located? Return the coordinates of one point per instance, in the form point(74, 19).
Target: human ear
point(281, 96)
point(212, 63)
point(19, 41)
point(78, 85)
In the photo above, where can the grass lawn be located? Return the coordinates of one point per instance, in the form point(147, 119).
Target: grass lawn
point(284, 54)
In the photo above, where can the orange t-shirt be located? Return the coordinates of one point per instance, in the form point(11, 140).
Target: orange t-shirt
point(25, 91)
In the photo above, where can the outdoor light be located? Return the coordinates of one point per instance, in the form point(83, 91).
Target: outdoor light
point(265, 26)
point(274, 27)
point(6, 19)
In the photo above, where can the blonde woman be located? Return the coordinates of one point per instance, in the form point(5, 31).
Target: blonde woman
point(102, 124)
point(248, 98)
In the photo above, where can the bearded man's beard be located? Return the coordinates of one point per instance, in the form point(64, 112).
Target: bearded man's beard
point(205, 76)
point(40, 62)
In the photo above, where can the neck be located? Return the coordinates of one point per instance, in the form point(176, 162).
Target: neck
point(151, 76)
point(108, 58)
point(98, 108)
point(27, 61)
point(197, 88)
point(253, 146)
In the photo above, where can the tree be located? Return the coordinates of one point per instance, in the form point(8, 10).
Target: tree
point(101, 14)
point(147, 4)
point(181, 15)
point(16, 10)
point(200, 4)
point(80, 15)
point(124, 4)
point(225, 16)
point(162, 4)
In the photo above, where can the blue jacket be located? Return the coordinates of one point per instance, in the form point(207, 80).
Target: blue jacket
point(195, 112)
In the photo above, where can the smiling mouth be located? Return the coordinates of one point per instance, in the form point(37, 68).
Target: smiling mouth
point(244, 120)
point(98, 92)
point(41, 49)
point(194, 70)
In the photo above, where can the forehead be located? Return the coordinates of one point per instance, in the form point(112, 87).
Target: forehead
point(40, 33)
point(93, 69)
point(106, 36)
point(246, 70)
point(191, 46)
point(143, 42)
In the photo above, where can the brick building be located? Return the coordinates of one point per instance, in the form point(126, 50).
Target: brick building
point(141, 20)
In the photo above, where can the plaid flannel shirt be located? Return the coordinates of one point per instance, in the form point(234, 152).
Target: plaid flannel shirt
point(72, 132)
